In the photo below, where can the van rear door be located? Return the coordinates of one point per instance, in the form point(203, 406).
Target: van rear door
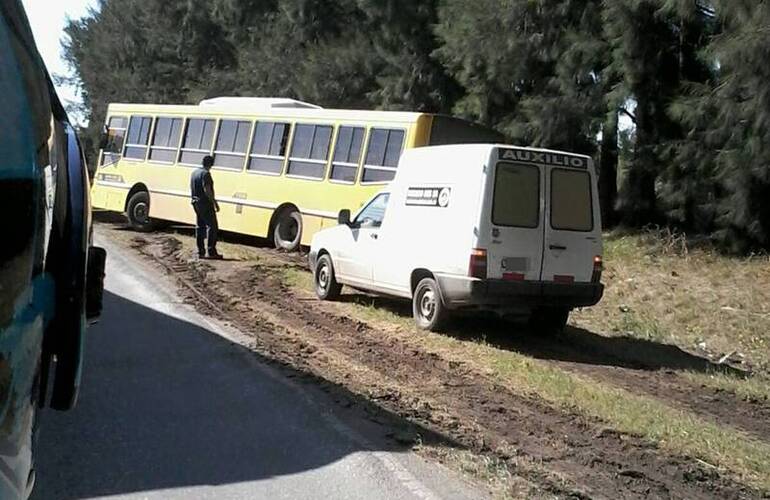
point(572, 225)
point(514, 241)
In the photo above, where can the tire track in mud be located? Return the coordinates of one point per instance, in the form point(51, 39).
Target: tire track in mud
point(453, 398)
point(752, 417)
point(582, 352)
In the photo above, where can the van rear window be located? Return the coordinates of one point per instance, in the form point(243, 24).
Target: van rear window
point(516, 200)
point(571, 208)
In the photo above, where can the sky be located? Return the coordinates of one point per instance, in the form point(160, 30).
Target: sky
point(47, 18)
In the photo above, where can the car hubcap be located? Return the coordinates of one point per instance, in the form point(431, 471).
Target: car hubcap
point(323, 277)
point(428, 304)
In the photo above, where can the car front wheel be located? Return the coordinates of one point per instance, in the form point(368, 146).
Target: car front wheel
point(326, 285)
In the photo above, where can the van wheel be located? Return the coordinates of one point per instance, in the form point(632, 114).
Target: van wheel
point(427, 307)
point(287, 232)
point(326, 285)
point(138, 212)
point(549, 320)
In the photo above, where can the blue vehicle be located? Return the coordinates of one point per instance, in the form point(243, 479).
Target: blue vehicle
point(50, 275)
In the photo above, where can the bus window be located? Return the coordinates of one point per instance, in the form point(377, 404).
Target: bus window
point(138, 136)
point(116, 136)
point(269, 147)
point(310, 151)
point(198, 137)
point(347, 154)
point(232, 142)
point(382, 155)
point(165, 140)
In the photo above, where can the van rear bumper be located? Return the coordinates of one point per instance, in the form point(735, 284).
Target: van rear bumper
point(459, 292)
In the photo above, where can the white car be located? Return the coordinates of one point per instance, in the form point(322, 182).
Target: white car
point(473, 227)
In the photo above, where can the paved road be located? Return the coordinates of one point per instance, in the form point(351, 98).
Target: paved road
point(170, 408)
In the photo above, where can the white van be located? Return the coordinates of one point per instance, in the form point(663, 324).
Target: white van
point(473, 227)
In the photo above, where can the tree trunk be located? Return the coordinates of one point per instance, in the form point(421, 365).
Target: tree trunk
point(608, 170)
point(638, 205)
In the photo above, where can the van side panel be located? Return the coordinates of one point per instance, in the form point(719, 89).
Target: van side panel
point(431, 217)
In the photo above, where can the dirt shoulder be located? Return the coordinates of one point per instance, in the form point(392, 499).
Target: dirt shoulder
point(581, 415)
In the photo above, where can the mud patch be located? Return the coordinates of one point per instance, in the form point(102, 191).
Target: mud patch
point(563, 453)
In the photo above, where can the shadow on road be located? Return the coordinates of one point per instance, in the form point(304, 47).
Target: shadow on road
point(575, 345)
point(167, 404)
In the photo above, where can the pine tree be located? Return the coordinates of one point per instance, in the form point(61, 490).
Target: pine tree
point(409, 78)
point(730, 121)
point(530, 68)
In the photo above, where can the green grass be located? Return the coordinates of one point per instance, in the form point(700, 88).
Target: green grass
point(676, 430)
point(754, 388)
point(296, 278)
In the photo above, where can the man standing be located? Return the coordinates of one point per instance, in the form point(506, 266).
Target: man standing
point(206, 208)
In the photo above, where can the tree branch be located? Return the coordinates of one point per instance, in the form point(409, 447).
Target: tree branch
point(627, 113)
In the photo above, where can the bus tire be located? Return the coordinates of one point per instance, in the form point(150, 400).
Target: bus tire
point(138, 212)
point(549, 321)
point(427, 306)
point(326, 285)
point(287, 231)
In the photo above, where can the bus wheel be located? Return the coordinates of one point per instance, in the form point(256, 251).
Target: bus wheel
point(287, 231)
point(138, 212)
point(427, 307)
point(326, 285)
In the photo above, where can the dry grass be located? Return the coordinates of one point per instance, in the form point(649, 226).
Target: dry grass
point(703, 302)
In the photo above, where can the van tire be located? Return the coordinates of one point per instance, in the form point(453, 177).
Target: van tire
point(138, 212)
point(549, 321)
point(287, 230)
point(428, 308)
point(326, 285)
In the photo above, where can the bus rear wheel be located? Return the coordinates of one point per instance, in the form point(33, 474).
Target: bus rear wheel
point(287, 231)
point(138, 212)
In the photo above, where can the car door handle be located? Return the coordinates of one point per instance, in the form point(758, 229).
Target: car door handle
point(557, 247)
point(373, 236)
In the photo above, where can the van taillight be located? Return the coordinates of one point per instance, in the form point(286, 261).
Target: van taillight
point(478, 264)
point(596, 277)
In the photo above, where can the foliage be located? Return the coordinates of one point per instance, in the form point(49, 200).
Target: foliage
point(689, 74)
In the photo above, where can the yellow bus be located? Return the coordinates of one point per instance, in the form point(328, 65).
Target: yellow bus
point(282, 168)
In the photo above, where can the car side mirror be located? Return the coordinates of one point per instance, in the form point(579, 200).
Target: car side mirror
point(344, 217)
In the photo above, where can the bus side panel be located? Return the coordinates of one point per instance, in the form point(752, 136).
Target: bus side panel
point(171, 207)
point(311, 225)
point(109, 197)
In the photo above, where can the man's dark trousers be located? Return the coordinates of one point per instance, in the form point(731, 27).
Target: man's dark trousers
point(207, 227)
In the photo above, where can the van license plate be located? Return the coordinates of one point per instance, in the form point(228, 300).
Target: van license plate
point(516, 264)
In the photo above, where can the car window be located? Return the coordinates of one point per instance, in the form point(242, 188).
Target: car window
point(571, 208)
point(372, 215)
point(516, 196)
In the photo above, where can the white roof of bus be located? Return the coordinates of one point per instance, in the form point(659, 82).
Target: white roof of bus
point(278, 107)
point(257, 103)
